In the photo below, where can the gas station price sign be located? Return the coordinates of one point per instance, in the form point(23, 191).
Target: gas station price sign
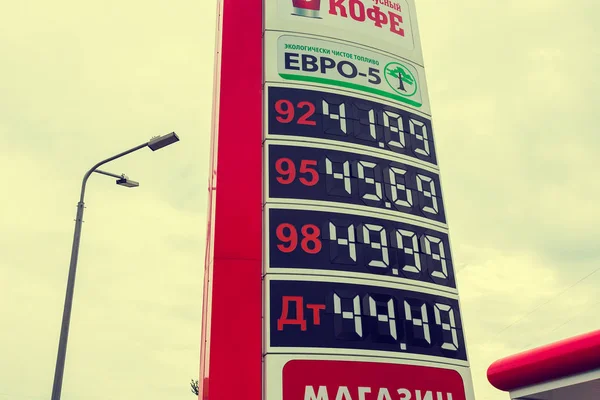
point(335, 240)
point(356, 258)
point(315, 315)
point(349, 119)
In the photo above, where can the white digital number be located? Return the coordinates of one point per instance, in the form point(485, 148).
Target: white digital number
point(371, 181)
point(350, 242)
point(343, 176)
point(413, 250)
point(430, 193)
point(354, 314)
point(440, 256)
point(372, 129)
point(423, 136)
point(399, 186)
point(423, 321)
point(399, 129)
point(390, 317)
point(451, 327)
point(339, 117)
point(381, 245)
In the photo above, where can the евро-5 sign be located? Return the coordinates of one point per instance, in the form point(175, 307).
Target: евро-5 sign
point(336, 64)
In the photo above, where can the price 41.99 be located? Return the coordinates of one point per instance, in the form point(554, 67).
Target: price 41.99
point(340, 118)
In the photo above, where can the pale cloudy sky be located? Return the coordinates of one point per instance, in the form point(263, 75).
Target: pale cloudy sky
point(514, 88)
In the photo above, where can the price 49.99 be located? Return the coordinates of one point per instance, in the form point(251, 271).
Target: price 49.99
point(345, 242)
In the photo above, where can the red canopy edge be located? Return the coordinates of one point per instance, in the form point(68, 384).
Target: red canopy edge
point(556, 360)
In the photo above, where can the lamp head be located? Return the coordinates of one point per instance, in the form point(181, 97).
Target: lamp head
point(127, 182)
point(162, 141)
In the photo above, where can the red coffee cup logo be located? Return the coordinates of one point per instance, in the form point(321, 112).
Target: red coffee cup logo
point(307, 8)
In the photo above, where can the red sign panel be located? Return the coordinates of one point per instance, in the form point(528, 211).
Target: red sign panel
point(350, 380)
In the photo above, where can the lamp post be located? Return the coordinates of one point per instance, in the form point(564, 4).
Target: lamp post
point(154, 144)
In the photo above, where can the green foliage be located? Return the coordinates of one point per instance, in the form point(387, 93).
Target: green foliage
point(194, 387)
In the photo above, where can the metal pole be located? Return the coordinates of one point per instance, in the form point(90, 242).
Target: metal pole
point(66, 318)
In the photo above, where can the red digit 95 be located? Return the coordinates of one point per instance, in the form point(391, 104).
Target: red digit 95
point(310, 241)
point(288, 171)
point(286, 111)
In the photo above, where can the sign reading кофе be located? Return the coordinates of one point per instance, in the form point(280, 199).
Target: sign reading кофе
point(391, 25)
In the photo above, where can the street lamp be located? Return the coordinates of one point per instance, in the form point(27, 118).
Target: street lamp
point(154, 144)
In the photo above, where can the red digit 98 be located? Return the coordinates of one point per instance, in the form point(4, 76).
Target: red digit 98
point(288, 236)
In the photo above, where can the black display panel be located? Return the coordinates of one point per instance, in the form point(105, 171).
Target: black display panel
point(329, 175)
point(349, 316)
point(348, 242)
point(315, 114)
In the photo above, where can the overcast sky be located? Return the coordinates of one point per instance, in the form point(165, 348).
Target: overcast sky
point(515, 92)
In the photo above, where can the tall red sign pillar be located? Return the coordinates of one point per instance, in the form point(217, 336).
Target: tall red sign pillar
point(231, 347)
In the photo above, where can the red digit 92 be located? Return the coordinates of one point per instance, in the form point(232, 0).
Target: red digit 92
point(310, 241)
point(286, 168)
point(287, 112)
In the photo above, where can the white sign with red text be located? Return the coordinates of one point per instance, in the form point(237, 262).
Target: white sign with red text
point(388, 25)
point(306, 377)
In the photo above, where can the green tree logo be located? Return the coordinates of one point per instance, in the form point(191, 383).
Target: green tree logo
point(400, 79)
